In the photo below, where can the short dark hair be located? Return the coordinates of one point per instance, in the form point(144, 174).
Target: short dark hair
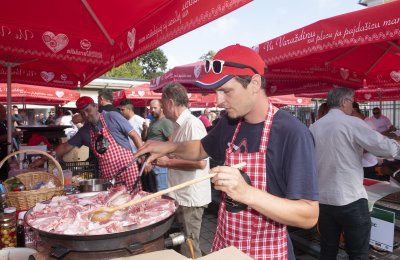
point(14, 106)
point(127, 103)
point(245, 80)
point(336, 96)
point(177, 93)
point(106, 94)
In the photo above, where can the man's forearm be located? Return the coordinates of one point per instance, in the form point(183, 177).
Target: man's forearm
point(186, 165)
point(189, 150)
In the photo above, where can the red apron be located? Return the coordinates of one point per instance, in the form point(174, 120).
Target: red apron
point(114, 158)
point(248, 230)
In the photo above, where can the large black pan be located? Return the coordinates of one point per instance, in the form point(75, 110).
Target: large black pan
point(130, 238)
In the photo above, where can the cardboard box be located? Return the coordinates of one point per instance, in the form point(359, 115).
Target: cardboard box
point(167, 254)
point(231, 253)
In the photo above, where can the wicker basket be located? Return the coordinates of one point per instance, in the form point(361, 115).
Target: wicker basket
point(29, 198)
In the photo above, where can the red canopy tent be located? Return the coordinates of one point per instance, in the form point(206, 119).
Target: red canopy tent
point(210, 100)
point(290, 100)
point(70, 43)
point(204, 100)
point(357, 49)
point(364, 95)
point(189, 73)
point(185, 74)
point(141, 95)
point(29, 94)
point(61, 43)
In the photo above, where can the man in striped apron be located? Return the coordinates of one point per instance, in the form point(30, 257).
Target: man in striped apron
point(278, 185)
point(107, 135)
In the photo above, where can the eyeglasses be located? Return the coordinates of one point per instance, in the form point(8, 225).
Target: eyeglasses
point(217, 65)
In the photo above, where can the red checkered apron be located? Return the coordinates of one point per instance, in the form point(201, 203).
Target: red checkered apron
point(248, 230)
point(114, 158)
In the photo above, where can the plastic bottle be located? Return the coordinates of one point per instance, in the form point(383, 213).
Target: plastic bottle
point(25, 162)
point(3, 201)
point(21, 230)
point(8, 228)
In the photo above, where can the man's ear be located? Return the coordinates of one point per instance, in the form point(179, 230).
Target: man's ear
point(256, 83)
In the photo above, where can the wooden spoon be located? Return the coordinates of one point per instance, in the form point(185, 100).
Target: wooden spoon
point(103, 214)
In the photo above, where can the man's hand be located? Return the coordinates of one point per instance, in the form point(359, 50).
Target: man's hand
point(230, 181)
point(156, 149)
point(162, 161)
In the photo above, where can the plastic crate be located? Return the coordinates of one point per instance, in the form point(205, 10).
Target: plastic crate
point(85, 169)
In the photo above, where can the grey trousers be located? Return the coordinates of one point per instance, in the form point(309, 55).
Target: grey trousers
point(190, 218)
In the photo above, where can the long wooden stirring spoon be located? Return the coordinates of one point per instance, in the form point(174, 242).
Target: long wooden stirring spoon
point(103, 214)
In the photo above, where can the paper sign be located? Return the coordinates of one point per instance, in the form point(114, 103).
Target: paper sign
point(382, 229)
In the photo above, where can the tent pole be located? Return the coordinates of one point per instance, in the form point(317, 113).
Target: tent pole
point(9, 128)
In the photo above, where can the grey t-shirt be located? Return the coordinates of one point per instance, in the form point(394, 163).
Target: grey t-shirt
point(118, 126)
point(160, 130)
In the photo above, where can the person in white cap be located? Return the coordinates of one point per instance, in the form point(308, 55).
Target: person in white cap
point(278, 185)
point(107, 135)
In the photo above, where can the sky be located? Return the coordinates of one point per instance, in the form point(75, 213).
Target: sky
point(254, 23)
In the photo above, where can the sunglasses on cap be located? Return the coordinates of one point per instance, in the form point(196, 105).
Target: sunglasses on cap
point(217, 65)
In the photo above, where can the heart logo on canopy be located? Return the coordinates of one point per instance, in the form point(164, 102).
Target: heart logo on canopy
point(55, 42)
point(59, 94)
point(47, 76)
point(344, 73)
point(367, 96)
point(273, 89)
point(141, 93)
point(395, 75)
point(131, 38)
point(197, 71)
point(299, 100)
point(189, 95)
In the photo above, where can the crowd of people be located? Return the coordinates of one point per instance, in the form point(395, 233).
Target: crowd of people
point(290, 175)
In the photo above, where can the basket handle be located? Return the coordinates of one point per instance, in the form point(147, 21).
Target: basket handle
point(56, 163)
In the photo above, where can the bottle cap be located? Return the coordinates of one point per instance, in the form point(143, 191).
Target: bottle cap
point(10, 210)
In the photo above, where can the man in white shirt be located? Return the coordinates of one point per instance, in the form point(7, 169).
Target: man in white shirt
point(192, 200)
point(382, 123)
point(339, 143)
point(127, 110)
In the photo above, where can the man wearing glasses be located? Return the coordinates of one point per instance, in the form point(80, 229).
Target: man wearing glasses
point(278, 185)
point(340, 140)
point(382, 123)
point(107, 134)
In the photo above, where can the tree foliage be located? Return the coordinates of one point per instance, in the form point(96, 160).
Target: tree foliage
point(209, 55)
point(131, 69)
point(153, 63)
point(147, 66)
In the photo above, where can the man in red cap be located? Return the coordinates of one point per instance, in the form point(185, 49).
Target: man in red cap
point(107, 135)
point(278, 185)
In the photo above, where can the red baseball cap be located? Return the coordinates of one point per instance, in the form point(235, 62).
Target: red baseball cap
point(82, 102)
point(238, 61)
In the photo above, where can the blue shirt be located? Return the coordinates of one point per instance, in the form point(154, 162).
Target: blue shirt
point(291, 167)
point(118, 126)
